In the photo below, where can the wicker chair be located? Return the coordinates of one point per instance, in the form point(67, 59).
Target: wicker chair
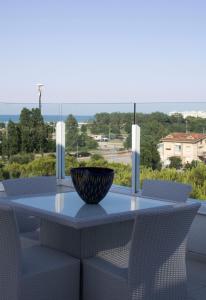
point(155, 267)
point(34, 273)
point(167, 190)
point(29, 225)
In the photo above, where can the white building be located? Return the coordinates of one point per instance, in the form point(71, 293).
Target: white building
point(192, 113)
point(187, 146)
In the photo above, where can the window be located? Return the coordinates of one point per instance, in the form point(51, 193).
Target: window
point(177, 148)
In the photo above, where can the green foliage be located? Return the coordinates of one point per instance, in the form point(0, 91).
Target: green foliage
point(153, 127)
point(30, 135)
point(23, 158)
point(44, 166)
point(149, 156)
point(195, 176)
point(71, 133)
point(34, 135)
point(128, 142)
point(96, 157)
point(13, 169)
point(76, 141)
point(3, 173)
point(122, 171)
point(13, 138)
point(85, 142)
point(191, 165)
point(4, 145)
point(175, 162)
point(70, 162)
point(101, 124)
point(84, 128)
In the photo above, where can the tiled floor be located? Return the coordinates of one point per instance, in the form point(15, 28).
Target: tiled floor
point(196, 271)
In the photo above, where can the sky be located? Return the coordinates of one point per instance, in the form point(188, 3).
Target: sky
point(102, 51)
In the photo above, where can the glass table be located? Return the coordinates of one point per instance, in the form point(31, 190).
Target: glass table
point(69, 209)
point(82, 230)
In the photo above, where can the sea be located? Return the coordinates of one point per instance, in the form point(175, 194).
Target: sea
point(47, 118)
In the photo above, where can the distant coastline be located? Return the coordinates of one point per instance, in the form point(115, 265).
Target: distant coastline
point(47, 118)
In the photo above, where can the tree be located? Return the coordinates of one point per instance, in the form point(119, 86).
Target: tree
point(4, 145)
point(86, 142)
point(128, 142)
point(1, 139)
point(175, 162)
point(149, 156)
point(84, 128)
point(101, 124)
point(38, 131)
point(25, 127)
point(13, 138)
point(191, 165)
point(71, 133)
point(35, 135)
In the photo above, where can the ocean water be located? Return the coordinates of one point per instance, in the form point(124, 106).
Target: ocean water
point(47, 118)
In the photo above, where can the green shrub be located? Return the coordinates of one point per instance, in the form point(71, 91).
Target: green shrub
point(13, 169)
point(21, 158)
point(97, 157)
point(44, 166)
point(4, 174)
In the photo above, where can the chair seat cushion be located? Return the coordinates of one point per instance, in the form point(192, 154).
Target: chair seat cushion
point(118, 257)
point(29, 239)
point(26, 223)
point(104, 280)
point(49, 274)
point(33, 235)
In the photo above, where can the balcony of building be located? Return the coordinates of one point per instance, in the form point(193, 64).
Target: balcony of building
point(122, 136)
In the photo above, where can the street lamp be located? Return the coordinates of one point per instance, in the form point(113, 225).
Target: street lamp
point(39, 87)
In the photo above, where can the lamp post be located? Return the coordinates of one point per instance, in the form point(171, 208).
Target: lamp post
point(39, 87)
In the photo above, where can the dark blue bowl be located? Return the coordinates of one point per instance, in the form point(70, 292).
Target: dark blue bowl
point(91, 183)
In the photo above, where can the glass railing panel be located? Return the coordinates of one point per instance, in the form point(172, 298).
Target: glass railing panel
point(28, 139)
point(173, 143)
point(98, 135)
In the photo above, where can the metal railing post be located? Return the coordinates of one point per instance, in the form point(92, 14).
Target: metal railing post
point(60, 150)
point(135, 158)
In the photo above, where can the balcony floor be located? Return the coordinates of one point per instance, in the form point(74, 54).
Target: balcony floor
point(196, 271)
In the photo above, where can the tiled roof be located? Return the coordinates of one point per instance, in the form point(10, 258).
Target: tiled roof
point(184, 137)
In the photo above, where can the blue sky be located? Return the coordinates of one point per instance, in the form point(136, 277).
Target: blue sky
point(103, 50)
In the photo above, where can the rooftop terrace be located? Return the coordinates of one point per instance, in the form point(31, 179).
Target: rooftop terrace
point(55, 155)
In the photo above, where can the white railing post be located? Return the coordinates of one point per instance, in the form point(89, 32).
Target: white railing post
point(60, 150)
point(59, 202)
point(135, 159)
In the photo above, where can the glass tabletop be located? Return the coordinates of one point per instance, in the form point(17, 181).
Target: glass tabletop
point(71, 205)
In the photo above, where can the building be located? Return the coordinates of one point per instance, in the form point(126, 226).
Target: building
point(187, 146)
point(100, 138)
point(192, 113)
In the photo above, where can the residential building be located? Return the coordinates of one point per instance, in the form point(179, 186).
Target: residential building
point(187, 146)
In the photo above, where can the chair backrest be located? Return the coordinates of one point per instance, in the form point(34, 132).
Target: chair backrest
point(168, 190)
point(10, 259)
point(157, 256)
point(28, 186)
